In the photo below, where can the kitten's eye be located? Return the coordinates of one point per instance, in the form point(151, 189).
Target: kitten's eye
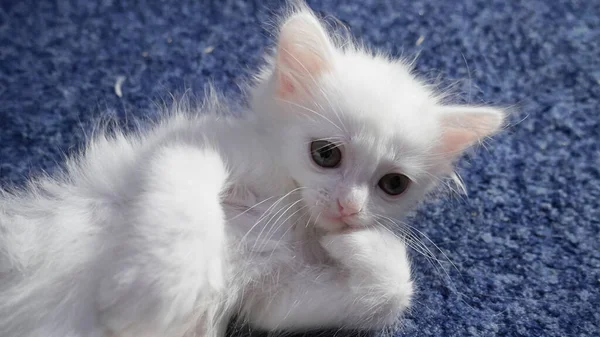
point(394, 183)
point(325, 154)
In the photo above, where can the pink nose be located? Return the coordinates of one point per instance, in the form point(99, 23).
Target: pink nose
point(347, 208)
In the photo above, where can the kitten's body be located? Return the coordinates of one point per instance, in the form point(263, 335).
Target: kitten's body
point(173, 231)
point(98, 243)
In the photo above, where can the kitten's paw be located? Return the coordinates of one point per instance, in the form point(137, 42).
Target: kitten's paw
point(379, 271)
point(347, 246)
point(370, 249)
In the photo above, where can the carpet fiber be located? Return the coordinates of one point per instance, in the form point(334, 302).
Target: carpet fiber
point(524, 243)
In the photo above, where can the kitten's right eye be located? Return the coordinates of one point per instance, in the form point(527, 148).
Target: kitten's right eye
point(325, 154)
point(394, 183)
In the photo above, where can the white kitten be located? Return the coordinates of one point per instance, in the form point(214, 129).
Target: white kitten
point(281, 218)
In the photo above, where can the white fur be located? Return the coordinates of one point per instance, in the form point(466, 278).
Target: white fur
point(173, 231)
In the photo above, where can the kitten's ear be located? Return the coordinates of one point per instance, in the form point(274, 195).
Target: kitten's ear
point(304, 51)
point(463, 126)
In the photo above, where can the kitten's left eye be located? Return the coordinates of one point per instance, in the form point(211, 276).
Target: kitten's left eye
point(325, 154)
point(394, 183)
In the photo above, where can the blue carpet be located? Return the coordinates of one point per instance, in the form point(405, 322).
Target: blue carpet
point(525, 242)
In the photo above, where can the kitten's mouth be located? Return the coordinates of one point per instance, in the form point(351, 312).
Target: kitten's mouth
point(333, 218)
point(338, 223)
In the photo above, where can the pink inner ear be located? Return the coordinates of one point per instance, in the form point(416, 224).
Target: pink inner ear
point(285, 86)
point(298, 67)
point(301, 58)
point(455, 140)
point(463, 126)
point(303, 53)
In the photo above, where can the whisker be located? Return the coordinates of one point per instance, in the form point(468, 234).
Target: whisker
point(268, 210)
point(335, 145)
point(412, 228)
point(250, 208)
point(309, 110)
point(419, 247)
point(288, 229)
point(447, 279)
point(324, 138)
point(271, 219)
point(274, 230)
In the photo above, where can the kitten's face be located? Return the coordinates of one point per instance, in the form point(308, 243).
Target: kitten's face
point(363, 139)
point(355, 180)
point(361, 154)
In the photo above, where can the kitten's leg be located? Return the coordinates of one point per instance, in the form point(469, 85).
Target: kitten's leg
point(167, 276)
point(370, 289)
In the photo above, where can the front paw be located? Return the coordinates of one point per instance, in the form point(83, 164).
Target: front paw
point(344, 246)
point(378, 272)
point(371, 249)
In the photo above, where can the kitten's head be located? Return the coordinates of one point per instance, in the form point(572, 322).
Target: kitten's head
point(359, 134)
